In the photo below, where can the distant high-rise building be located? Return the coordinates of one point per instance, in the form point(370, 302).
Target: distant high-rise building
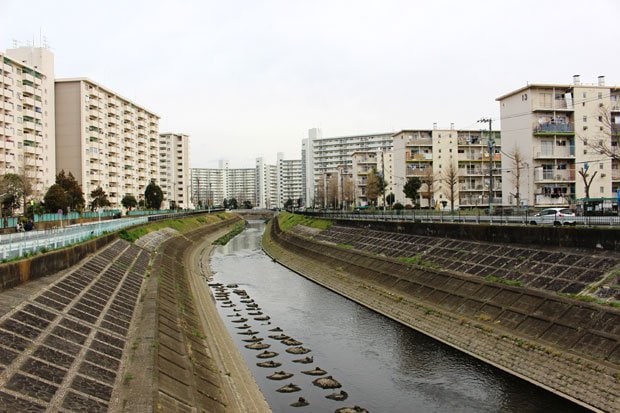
point(27, 120)
point(290, 180)
point(557, 130)
point(174, 177)
point(266, 184)
point(325, 155)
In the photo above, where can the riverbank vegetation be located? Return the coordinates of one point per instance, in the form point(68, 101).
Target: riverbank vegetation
point(182, 225)
point(237, 229)
point(288, 221)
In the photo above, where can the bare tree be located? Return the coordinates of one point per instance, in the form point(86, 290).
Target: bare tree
point(332, 190)
point(348, 190)
point(428, 181)
point(604, 144)
point(321, 192)
point(372, 186)
point(586, 182)
point(451, 175)
point(517, 166)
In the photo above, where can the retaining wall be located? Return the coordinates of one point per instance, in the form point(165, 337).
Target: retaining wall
point(564, 345)
point(570, 237)
point(22, 271)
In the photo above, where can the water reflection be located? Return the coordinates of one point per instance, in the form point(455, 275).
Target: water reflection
point(384, 366)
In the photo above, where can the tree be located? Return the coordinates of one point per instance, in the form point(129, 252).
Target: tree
point(429, 181)
point(99, 199)
point(605, 144)
point(411, 188)
point(375, 185)
point(56, 199)
point(247, 204)
point(583, 172)
point(153, 196)
point(348, 190)
point(517, 166)
point(11, 188)
point(451, 175)
point(233, 203)
point(332, 191)
point(129, 202)
point(73, 190)
point(390, 199)
point(288, 204)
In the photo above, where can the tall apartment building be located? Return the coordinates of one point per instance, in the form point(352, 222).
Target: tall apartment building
point(27, 121)
point(210, 186)
point(266, 184)
point(105, 140)
point(555, 129)
point(457, 165)
point(323, 155)
point(174, 177)
point(290, 180)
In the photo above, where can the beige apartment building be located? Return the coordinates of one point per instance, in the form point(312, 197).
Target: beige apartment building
point(105, 140)
point(556, 129)
point(27, 132)
point(174, 176)
point(363, 163)
point(456, 167)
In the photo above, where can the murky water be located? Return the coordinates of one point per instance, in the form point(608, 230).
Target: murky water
point(382, 365)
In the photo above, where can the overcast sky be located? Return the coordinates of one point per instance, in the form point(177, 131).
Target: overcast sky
point(249, 78)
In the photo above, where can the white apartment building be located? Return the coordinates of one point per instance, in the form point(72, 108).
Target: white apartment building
point(290, 180)
point(105, 140)
point(363, 163)
point(174, 178)
point(453, 165)
point(555, 128)
point(27, 121)
point(210, 186)
point(266, 184)
point(324, 155)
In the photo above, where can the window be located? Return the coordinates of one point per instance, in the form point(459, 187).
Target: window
point(585, 118)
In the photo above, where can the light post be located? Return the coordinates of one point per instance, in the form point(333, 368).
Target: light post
point(491, 145)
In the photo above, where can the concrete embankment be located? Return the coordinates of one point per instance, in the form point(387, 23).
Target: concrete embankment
point(563, 345)
point(196, 364)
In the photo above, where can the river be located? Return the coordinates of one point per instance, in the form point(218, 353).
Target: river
point(382, 365)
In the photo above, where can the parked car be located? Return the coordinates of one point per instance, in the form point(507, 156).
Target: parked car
point(555, 216)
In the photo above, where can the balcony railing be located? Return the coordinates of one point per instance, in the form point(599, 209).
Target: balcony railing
point(553, 127)
point(555, 152)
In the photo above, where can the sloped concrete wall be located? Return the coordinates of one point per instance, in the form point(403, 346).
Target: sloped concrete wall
point(564, 345)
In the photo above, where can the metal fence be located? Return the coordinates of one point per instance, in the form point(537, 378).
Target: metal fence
point(473, 217)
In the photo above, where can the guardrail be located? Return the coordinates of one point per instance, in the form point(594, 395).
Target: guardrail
point(434, 216)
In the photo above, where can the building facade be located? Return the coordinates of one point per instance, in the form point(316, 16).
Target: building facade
point(266, 184)
point(174, 176)
point(27, 118)
point(557, 131)
point(321, 156)
point(457, 168)
point(105, 140)
point(290, 180)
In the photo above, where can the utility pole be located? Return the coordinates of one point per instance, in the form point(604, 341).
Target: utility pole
point(383, 177)
point(491, 144)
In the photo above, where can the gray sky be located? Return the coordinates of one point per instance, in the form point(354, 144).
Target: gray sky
point(248, 78)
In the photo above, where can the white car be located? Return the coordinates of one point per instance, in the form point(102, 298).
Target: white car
point(555, 216)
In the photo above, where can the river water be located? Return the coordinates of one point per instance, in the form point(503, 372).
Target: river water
point(382, 365)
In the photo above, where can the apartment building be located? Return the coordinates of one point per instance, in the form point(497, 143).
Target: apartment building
point(210, 186)
point(290, 180)
point(105, 140)
point(557, 131)
point(266, 184)
point(457, 168)
point(174, 176)
point(323, 155)
point(27, 121)
point(364, 163)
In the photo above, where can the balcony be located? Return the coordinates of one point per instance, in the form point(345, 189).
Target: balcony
point(554, 176)
point(552, 128)
point(472, 172)
point(554, 152)
point(419, 157)
point(470, 156)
